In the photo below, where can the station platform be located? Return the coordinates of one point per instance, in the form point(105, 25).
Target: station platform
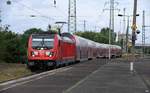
point(93, 76)
point(113, 77)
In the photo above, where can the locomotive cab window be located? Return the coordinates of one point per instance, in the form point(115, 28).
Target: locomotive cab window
point(45, 41)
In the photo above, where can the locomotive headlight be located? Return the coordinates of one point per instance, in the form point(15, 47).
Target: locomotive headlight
point(48, 53)
point(34, 53)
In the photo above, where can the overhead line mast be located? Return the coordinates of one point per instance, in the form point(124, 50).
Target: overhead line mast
point(111, 21)
point(143, 34)
point(72, 22)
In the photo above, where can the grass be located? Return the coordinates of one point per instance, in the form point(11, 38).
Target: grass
point(12, 71)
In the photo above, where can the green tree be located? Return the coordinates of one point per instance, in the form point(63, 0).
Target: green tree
point(9, 43)
point(101, 37)
point(105, 33)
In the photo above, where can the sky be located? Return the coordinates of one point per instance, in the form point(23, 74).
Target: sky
point(17, 15)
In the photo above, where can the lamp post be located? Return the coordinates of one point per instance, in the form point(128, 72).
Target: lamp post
point(127, 31)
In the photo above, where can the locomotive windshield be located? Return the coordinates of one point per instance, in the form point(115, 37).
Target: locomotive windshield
point(42, 41)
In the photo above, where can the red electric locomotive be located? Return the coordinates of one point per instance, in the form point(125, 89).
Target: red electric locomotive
point(45, 50)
